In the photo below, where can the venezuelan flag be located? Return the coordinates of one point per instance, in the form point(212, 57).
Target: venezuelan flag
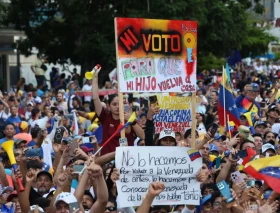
point(267, 169)
point(226, 102)
point(194, 154)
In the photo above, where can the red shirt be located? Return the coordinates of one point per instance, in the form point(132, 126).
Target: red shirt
point(109, 126)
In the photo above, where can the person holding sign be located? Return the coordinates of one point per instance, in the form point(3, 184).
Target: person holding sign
point(111, 120)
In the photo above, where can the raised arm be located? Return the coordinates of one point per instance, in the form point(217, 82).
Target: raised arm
point(155, 189)
point(96, 176)
point(95, 92)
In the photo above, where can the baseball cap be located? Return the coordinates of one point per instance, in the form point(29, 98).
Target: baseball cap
point(213, 148)
point(65, 197)
point(253, 87)
point(30, 103)
point(259, 123)
point(12, 195)
point(272, 107)
point(92, 126)
point(218, 136)
point(87, 149)
point(143, 114)
point(38, 152)
point(18, 141)
point(206, 199)
point(166, 133)
point(268, 146)
point(23, 125)
point(45, 173)
point(6, 188)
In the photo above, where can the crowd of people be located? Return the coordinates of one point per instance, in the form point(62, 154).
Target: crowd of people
point(44, 125)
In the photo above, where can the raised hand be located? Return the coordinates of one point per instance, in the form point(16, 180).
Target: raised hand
point(56, 147)
point(80, 153)
point(94, 171)
point(31, 176)
point(65, 154)
point(61, 180)
point(201, 176)
point(115, 176)
point(267, 208)
point(156, 188)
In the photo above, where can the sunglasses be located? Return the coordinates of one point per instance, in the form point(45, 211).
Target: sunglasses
point(111, 208)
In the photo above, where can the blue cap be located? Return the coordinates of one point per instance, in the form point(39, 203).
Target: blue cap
point(213, 147)
point(205, 199)
point(38, 152)
point(218, 136)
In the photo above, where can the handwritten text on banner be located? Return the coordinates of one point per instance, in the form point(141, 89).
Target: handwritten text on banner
point(175, 166)
point(156, 55)
point(175, 113)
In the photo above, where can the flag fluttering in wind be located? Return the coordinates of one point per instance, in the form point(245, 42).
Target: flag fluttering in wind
point(226, 103)
point(267, 169)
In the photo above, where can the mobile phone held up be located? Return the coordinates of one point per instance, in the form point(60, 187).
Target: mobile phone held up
point(225, 191)
point(214, 129)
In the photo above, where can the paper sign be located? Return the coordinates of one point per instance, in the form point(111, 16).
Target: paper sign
point(156, 55)
point(175, 166)
point(175, 113)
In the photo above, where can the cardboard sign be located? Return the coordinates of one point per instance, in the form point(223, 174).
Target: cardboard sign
point(175, 166)
point(156, 55)
point(175, 113)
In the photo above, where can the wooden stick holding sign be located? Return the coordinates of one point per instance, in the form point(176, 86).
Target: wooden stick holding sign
point(193, 119)
point(121, 107)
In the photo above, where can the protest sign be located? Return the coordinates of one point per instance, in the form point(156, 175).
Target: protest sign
point(175, 166)
point(175, 113)
point(156, 55)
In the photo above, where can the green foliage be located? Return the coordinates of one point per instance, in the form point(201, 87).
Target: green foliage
point(209, 62)
point(83, 31)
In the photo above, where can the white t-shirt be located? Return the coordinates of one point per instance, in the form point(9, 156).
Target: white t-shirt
point(27, 115)
point(87, 88)
point(3, 115)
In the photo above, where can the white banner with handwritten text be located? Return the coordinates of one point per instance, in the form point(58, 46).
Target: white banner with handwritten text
point(176, 167)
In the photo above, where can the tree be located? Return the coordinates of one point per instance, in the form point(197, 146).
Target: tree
point(83, 31)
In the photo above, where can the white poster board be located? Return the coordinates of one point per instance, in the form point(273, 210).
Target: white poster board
point(175, 166)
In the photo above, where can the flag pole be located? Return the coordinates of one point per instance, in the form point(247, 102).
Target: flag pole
point(224, 84)
point(228, 127)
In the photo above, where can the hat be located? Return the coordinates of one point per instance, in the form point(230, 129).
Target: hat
point(12, 195)
point(253, 87)
point(92, 126)
point(37, 101)
point(18, 141)
point(272, 107)
point(250, 138)
point(23, 125)
point(30, 103)
point(6, 188)
point(65, 197)
point(166, 133)
point(218, 136)
point(87, 149)
point(259, 123)
point(38, 152)
point(206, 199)
point(45, 173)
point(213, 148)
point(143, 114)
point(268, 146)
